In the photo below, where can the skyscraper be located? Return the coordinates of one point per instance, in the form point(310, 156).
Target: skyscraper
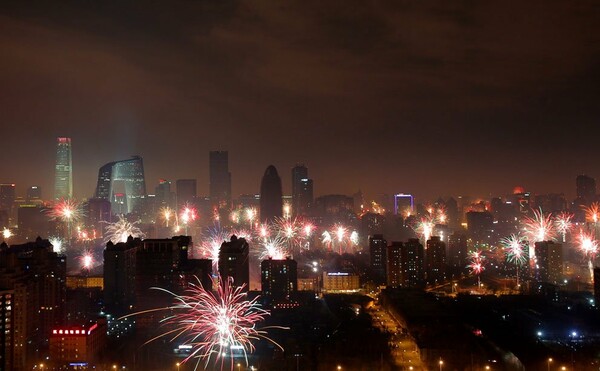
point(34, 193)
point(586, 188)
point(186, 191)
point(7, 196)
point(549, 262)
point(63, 170)
point(220, 179)
point(122, 177)
point(279, 279)
point(411, 262)
point(302, 191)
point(233, 261)
point(435, 260)
point(377, 252)
point(271, 205)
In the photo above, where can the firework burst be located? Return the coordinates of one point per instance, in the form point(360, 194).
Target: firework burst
point(273, 247)
point(592, 212)
point(424, 228)
point(6, 233)
point(167, 214)
point(86, 260)
point(563, 224)
point(539, 227)
point(66, 210)
point(588, 246)
point(514, 249)
point(120, 230)
point(218, 326)
point(57, 244)
point(476, 265)
point(211, 244)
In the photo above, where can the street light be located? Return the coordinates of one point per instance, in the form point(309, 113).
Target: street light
point(177, 364)
point(239, 365)
point(339, 367)
point(549, 361)
point(441, 364)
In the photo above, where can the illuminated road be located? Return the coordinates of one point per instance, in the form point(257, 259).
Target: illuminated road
point(404, 350)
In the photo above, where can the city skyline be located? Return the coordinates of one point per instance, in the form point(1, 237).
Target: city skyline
point(394, 94)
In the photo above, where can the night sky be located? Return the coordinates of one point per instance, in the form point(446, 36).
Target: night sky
point(429, 97)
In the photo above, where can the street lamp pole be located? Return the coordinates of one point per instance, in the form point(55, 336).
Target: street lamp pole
point(549, 361)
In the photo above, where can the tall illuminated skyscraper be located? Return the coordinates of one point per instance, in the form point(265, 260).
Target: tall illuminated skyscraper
point(302, 191)
point(271, 204)
point(125, 178)
point(63, 171)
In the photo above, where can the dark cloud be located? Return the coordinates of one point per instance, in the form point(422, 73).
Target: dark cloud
point(429, 97)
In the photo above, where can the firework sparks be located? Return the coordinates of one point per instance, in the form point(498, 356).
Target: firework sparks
point(6, 233)
point(354, 237)
point(539, 227)
point(273, 248)
point(592, 213)
point(326, 239)
point(475, 265)
point(217, 324)
point(441, 215)
point(425, 228)
point(120, 230)
point(67, 210)
point(211, 244)
point(167, 213)
point(264, 230)
point(86, 260)
point(588, 246)
point(476, 262)
point(513, 248)
point(563, 224)
point(287, 211)
point(57, 244)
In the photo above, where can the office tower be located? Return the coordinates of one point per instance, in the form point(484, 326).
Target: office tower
point(378, 257)
point(163, 194)
point(122, 183)
point(119, 276)
point(435, 261)
point(552, 203)
point(335, 208)
point(34, 193)
point(271, 205)
point(186, 192)
point(586, 188)
point(480, 225)
point(404, 204)
point(394, 264)
point(549, 262)
point(412, 263)
point(38, 277)
point(97, 213)
point(6, 329)
point(278, 279)
point(63, 171)
point(233, 261)
point(220, 179)
point(457, 253)
point(302, 191)
point(7, 197)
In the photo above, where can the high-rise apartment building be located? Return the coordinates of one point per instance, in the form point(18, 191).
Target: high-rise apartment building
point(233, 261)
point(122, 183)
point(220, 179)
point(457, 253)
point(7, 197)
point(271, 203)
point(63, 170)
point(413, 259)
point(549, 262)
point(378, 257)
point(435, 261)
point(279, 279)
